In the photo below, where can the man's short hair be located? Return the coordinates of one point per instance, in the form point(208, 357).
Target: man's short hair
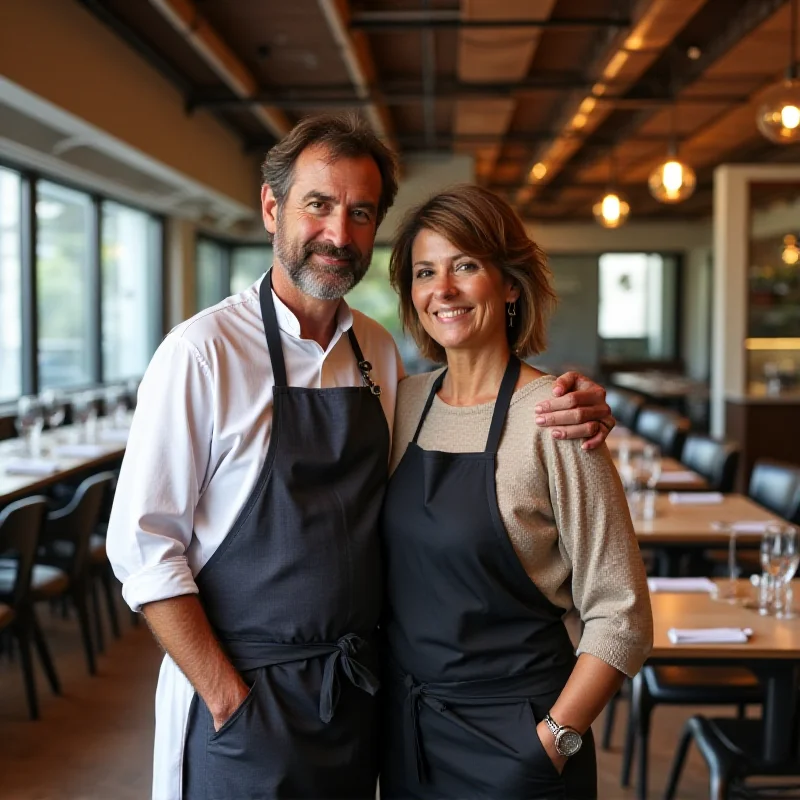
point(343, 136)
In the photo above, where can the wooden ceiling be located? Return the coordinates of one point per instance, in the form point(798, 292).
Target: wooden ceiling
point(514, 82)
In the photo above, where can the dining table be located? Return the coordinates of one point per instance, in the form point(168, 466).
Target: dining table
point(771, 652)
point(63, 454)
point(674, 476)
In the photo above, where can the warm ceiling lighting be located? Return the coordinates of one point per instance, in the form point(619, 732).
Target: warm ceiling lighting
point(693, 53)
point(579, 121)
point(791, 252)
point(611, 210)
point(778, 115)
point(539, 171)
point(673, 181)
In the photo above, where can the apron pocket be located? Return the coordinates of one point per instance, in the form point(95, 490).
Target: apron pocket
point(233, 718)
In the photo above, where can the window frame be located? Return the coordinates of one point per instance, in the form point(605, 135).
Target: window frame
point(29, 180)
point(227, 247)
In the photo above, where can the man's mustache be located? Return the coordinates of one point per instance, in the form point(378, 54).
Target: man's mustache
point(348, 252)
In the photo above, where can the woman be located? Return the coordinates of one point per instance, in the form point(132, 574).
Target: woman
point(494, 532)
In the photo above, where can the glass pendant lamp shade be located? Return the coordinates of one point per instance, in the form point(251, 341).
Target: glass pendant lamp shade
point(611, 210)
point(778, 116)
point(673, 181)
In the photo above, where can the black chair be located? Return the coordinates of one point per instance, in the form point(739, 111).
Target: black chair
point(683, 686)
point(65, 545)
point(715, 460)
point(732, 749)
point(624, 405)
point(776, 486)
point(20, 529)
point(663, 427)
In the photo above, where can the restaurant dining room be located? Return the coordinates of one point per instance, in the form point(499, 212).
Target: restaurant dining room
point(290, 292)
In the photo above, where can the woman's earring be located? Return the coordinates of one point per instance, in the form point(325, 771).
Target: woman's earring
point(512, 312)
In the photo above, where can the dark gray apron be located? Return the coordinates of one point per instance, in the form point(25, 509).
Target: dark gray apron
point(477, 654)
point(294, 595)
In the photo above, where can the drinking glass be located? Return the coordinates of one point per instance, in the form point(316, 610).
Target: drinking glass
point(728, 591)
point(84, 413)
point(115, 401)
point(651, 460)
point(54, 406)
point(781, 557)
point(29, 423)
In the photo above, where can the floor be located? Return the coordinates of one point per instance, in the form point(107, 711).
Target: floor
point(95, 742)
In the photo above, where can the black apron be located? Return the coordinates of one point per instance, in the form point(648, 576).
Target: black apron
point(294, 594)
point(477, 654)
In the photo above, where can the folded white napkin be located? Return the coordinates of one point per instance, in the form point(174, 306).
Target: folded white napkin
point(115, 435)
point(709, 635)
point(695, 498)
point(679, 476)
point(81, 450)
point(31, 466)
point(751, 526)
point(680, 585)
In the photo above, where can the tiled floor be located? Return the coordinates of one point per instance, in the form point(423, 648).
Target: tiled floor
point(95, 742)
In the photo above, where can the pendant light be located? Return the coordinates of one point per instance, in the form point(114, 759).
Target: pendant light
point(778, 115)
point(613, 208)
point(672, 181)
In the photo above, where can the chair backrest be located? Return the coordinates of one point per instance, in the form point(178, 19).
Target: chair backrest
point(20, 531)
point(77, 520)
point(664, 427)
point(624, 405)
point(776, 486)
point(715, 460)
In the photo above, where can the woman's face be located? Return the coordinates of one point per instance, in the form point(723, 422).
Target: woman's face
point(460, 300)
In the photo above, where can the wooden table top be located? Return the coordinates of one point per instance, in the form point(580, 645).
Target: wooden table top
point(657, 384)
point(675, 524)
point(669, 465)
point(13, 487)
point(772, 638)
point(620, 436)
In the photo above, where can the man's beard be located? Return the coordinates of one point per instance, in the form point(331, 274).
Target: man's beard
point(321, 281)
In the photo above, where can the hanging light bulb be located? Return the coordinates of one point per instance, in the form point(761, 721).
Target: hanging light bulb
point(778, 115)
point(673, 181)
point(791, 252)
point(611, 210)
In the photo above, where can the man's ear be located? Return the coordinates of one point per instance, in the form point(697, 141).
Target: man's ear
point(269, 209)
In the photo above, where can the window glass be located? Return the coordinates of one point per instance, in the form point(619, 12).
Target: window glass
point(63, 251)
point(248, 264)
point(10, 287)
point(212, 280)
point(131, 277)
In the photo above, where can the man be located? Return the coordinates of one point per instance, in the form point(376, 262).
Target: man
point(244, 525)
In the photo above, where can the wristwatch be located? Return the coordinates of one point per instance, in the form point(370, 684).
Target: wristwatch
point(568, 740)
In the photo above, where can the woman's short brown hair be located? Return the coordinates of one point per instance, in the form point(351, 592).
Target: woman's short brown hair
point(484, 226)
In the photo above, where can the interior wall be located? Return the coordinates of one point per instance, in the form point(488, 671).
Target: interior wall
point(60, 52)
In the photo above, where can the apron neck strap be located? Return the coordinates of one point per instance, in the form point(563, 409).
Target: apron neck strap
point(270, 320)
point(501, 405)
point(272, 332)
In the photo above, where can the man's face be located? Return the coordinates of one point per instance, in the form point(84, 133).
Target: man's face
point(325, 230)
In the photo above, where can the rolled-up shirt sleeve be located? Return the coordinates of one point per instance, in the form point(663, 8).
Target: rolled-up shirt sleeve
point(162, 476)
point(609, 584)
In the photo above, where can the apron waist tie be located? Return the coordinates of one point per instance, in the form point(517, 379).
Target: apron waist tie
point(345, 655)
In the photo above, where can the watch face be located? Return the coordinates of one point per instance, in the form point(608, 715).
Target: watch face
point(568, 742)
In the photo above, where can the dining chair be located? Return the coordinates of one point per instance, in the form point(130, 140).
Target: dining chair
point(715, 460)
point(776, 486)
point(664, 427)
point(732, 749)
point(624, 405)
point(65, 545)
point(20, 530)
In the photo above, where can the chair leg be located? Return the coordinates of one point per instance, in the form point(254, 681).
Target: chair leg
point(44, 655)
point(643, 735)
point(23, 638)
point(608, 725)
point(98, 622)
point(719, 783)
point(79, 598)
point(678, 762)
point(630, 734)
point(107, 579)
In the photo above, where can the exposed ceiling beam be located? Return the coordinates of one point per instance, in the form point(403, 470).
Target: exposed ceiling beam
point(187, 20)
point(355, 51)
point(400, 22)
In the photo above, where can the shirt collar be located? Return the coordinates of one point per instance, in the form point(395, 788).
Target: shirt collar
point(288, 322)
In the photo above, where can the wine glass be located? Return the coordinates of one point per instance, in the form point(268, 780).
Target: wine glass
point(651, 459)
point(728, 592)
point(54, 406)
point(780, 554)
point(29, 423)
point(84, 413)
point(115, 403)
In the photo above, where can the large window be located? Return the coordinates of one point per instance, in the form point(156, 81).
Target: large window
point(63, 286)
point(10, 286)
point(84, 305)
point(248, 264)
point(131, 290)
point(223, 269)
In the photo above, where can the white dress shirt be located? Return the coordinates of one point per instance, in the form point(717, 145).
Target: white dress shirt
point(197, 443)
